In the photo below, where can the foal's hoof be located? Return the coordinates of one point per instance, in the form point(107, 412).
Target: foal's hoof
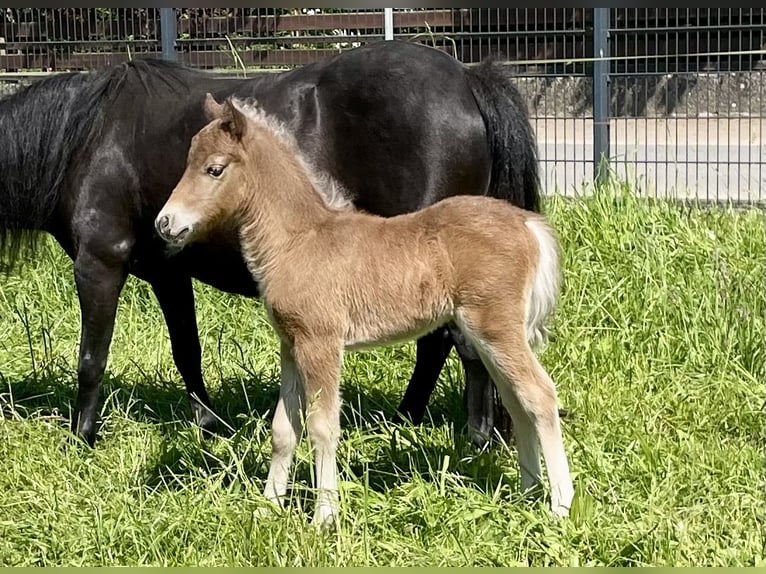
point(269, 510)
point(325, 517)
point(560, 511)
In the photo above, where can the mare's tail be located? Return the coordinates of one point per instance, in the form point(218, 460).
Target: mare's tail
point(544, 294)
point(515, 173)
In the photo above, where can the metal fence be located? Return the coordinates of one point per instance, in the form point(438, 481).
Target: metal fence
point(674, 97)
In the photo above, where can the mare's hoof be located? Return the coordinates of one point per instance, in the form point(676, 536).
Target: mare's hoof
point(84, 431)
point(479, 438)
point(205, 419)
point(404, 417)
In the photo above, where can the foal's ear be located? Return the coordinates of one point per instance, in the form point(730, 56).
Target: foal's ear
point(233, 120)
point(213, 110)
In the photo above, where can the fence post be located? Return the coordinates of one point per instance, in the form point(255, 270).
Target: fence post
point(168, 33)
point(388, 23)
point(600, 94)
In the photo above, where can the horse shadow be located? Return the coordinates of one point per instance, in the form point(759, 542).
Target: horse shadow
point(155, 400)
point(399, 453)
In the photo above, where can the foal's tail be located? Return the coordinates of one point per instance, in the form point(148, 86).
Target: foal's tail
point(515, 172)
point(545, 287)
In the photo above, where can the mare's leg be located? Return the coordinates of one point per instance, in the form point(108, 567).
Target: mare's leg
point(431, 354)
point(318, 361)
point(99, 276)
point(479, 395)
point(286, 427)
point(176, 298)
point(479, 398)
point(529, 395)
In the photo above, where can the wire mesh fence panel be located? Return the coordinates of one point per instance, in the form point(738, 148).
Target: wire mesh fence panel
point(686, 90)
point(62, 39)
point(243, 38)
point(527, 40)
point(687, 101)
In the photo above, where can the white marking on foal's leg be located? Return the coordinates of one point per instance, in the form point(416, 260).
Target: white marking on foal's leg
point(286, 428)
point(562, 490)
point(527, 446)
point(527, 388)
point(523, 427)
point(324, 429)
point(541, 406)
point(319, 364)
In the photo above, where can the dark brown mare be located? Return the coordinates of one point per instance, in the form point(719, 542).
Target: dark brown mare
point(91, 159)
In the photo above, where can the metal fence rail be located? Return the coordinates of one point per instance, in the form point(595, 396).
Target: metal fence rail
point(677, 107)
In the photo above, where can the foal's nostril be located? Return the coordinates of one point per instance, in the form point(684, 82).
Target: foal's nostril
point(181, 234)
point(162, 224)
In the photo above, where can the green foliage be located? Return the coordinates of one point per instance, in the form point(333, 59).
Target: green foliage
point(657, 352)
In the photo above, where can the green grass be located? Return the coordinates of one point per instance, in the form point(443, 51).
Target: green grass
point(658, 354)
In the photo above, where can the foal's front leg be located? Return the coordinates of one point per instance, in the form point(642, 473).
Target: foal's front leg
point(318, 361)
point(286, 427)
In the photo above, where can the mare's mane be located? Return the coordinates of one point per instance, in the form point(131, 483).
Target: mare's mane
point(329, 189)
point(48, 125)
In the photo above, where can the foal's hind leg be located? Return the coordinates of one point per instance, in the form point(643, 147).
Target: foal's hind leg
point(526, 436)
point(524, 386)
point(529, 395)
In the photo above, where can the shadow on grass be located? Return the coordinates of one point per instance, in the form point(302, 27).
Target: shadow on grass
point(391, 456)
point(157, 401)
point(245, 407)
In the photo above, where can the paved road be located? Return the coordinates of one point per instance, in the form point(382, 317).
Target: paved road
point(705, 157)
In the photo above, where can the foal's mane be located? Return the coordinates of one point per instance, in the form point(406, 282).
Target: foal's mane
point(334, 195)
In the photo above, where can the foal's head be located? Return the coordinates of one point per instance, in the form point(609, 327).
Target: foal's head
point(211, 191)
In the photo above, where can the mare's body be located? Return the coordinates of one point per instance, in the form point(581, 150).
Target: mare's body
point(91, 158)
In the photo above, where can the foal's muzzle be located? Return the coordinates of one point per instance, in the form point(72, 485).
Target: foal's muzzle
point(165, 229)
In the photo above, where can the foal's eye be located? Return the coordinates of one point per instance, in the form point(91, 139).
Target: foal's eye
point(215, 170)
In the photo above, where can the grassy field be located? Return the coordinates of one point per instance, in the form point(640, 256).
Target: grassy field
point(658, 354)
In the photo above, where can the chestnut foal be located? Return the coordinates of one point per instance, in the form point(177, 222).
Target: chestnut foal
point(334, 278)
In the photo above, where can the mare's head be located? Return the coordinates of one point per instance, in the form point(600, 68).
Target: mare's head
point(210, 193)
